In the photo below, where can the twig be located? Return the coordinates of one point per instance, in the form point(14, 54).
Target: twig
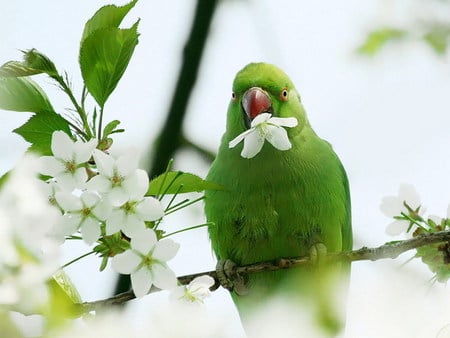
point(169, 139)
point(389, 250)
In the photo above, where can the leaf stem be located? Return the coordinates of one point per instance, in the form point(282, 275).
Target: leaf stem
point(66, 88)
point(189, 228)
point(77, 259)
point(185, 205)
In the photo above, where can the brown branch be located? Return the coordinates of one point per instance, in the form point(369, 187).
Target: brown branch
point(389, 250)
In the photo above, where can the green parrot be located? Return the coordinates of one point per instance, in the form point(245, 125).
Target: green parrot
point(287, 197)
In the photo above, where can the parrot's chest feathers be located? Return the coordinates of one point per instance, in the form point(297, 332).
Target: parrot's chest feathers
point(277, 209)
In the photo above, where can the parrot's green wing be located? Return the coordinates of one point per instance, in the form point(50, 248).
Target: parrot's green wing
point(279, 203)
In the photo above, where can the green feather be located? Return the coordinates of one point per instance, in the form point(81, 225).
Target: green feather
point(279, 203)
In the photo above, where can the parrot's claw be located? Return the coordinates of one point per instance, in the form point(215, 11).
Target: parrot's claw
point(318, 253)
point(229, 278)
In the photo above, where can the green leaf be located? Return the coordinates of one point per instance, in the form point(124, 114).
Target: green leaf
point(377, 39)
point(33, 63)
point(437, 39)
point(110, 128)
point(16, 69)
point(104, 56)
point(23, 94)
point(64, 300)
point(109, 16)
point(39, 128)
point(39, 62)
point(4, 178)
point(179, 182)
point(64, 281)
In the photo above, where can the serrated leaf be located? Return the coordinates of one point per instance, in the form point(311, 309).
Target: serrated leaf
point(39, 128)
point(179, 182)
point(378, 39)
point(16, 69)
point(39, 62)
point(23, 94)
point(109, 16)
point(34, 63)
point(104, 56)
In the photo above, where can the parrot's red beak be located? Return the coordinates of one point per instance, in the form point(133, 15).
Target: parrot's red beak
point(254, 102)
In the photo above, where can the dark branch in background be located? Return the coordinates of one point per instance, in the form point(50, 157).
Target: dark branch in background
point(169, 140)
point(389, 250)
point(206, 154)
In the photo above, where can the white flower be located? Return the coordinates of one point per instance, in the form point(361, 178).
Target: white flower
point(146, 262)
point(118, 178)
point(84, 213)
point(28, 256)
point(265, 127)
point(196, 291)
point(393, 206)
point(67, 163)
point(130, 217)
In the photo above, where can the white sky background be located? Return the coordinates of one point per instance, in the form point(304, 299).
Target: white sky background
point(387, 118)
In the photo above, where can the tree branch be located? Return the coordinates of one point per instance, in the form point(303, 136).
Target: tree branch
point(170, 137)
point(389, 250)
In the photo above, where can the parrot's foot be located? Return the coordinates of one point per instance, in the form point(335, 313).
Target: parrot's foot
point(229, 278)
point(318, 253)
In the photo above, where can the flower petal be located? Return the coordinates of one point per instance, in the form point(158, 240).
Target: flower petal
point(115, 221)
point(49, 165)
point(133, 226)
point(289, 122)
point(67, 201)
point(126, 262)
point(253, 144)
point(165, 250)
point(141, 280)
point(164, 277)
point(127, 163)
point(118, 196)
point(202, 281)
point(105, 163)
point(90, 230)
point(136, 184)
point(407, 193)
point(233, 143)
point(69, 225)
point(278, 137)
point(150, 209)
point(102, 210)
point(83, 150)
point(62, 145)
point(89, 199)
point(397, 227)
point(99, 183)
point(144, 242)
point(391, 206)
point(261, 118)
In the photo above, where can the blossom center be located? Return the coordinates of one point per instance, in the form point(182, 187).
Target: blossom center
point(86, 212)
point(70, 166)
point(117, 179)
point(129, 207)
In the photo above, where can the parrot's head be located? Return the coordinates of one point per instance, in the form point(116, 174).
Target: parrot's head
point(263, 88)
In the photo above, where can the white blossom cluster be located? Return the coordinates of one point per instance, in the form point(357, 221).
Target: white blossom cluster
point(100, 195)
point(28, 256)
point(408, 213)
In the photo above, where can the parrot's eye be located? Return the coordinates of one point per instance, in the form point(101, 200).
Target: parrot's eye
point(284, 95)
point(233, 96)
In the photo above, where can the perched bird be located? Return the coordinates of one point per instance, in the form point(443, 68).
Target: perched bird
point(285, 194)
